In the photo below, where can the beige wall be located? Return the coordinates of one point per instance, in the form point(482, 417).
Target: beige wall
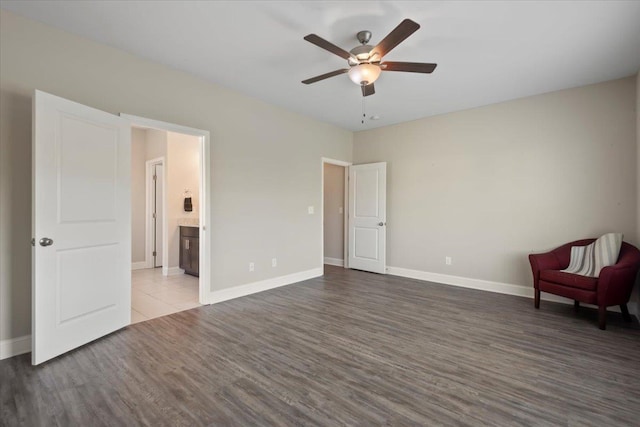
point(15, 210)
point(138, 194)
point(333, 211)
point(156, 143)
point(182, 172)
point(490, 185)
point(264, 159)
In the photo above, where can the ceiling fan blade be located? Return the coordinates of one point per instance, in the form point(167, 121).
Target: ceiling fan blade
point(320, 42)
point(325, 76)
point(395, 37)
point(368, 89)
point(411, 67)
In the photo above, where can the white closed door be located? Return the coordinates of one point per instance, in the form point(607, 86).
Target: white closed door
point(367, 217)
point(81, 286)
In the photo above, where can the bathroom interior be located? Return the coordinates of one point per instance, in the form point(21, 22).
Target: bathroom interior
point(165, 181)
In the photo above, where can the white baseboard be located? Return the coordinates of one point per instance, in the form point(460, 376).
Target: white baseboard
point(263, 285)
point(487, 285)
point(15, 346)
point(172, 271)
point(334, 261)
point(138, 265)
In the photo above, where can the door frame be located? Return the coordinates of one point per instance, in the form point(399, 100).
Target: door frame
point(148, 208)
point(205, 200)
point(345, 212)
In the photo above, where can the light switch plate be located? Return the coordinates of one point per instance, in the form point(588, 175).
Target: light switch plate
point(311, 210)
point(340, 210)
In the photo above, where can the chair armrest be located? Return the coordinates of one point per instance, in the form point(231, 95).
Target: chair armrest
point(615, 284)
point(545, 261)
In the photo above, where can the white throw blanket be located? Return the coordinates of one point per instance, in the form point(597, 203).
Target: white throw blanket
point(589, 260)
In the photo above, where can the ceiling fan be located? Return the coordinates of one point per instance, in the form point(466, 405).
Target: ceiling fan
point(364, 61)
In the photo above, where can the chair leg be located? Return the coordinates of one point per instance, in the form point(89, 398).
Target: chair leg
point(576, 305)
point(625, 312)
point(602, 317)
point(536, 301)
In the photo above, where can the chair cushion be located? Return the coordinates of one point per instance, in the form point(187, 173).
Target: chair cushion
point(568, 279)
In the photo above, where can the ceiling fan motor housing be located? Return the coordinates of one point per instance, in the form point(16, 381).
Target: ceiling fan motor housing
point(361, 52)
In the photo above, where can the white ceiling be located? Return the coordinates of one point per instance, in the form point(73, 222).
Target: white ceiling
point(486, 52)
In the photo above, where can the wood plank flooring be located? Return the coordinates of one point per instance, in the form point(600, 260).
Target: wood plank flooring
point(349, 348)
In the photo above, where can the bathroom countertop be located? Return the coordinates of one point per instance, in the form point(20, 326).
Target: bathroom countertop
point(189, 222)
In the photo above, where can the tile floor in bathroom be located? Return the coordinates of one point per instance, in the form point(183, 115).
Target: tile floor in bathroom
point(154, 295)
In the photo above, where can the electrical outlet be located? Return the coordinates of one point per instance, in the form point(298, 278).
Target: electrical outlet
point(274, 262)
point(447, 260)
point(252, 266)
point(311, 210)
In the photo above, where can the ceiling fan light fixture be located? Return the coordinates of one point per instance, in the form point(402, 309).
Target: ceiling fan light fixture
point(364, 74)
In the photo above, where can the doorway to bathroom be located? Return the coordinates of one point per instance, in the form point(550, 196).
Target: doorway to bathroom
point(168, 209)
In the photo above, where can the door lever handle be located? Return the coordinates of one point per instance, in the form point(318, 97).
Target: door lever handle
point(45, 241)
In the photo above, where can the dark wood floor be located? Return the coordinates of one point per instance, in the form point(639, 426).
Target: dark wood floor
point(350, 348)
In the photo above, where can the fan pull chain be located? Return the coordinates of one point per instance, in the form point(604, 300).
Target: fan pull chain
point(363, 110)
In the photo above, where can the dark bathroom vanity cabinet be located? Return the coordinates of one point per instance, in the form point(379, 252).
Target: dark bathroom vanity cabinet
point(190, 250)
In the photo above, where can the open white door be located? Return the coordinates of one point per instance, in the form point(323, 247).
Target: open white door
point(367, 217)
point(81, 224)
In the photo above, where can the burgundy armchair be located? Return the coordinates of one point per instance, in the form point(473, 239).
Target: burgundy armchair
point(613, 287)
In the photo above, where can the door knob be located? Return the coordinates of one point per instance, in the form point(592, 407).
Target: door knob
point(381, 224)
point(45, 241)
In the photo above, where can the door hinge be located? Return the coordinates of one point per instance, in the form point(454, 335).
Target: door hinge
point(155, 253)
point(154, 215)
point(155, 177)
